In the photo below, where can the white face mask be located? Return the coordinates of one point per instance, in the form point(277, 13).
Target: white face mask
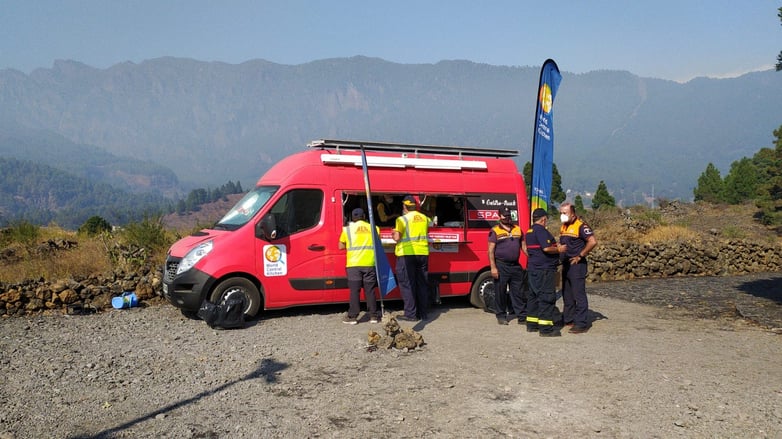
point(564, 218)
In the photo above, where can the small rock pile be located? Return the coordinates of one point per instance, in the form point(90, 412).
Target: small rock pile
point(396, 337)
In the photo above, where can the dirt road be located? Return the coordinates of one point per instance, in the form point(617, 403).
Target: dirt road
point(641, 371)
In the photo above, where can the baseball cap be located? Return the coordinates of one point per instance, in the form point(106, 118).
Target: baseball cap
point(358, 213)
point(409, 201)
point(538, 214)
point(504, 211)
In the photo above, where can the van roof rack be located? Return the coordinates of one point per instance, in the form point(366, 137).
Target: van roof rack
point(412, 148)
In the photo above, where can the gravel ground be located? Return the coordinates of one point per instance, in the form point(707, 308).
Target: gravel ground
point(699, 359)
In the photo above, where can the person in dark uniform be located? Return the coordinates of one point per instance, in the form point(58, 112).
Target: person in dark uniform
point(542, 260)
point(504, 250)
point(579, 239)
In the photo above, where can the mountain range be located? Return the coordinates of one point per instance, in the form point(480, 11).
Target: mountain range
point(171, 124)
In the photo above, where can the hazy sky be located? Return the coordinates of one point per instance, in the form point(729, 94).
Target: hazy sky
point(670, 39)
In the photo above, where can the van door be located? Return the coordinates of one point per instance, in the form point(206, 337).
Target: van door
point(292, 263)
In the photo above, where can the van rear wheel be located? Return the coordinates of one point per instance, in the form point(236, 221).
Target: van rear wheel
point(238, 285)
point(482, 292)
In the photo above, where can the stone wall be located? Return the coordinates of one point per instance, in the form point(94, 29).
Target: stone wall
point(78, 296)
point(621, 261)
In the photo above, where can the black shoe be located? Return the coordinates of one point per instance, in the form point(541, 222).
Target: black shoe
point(407, 319)
point(532, 329)
point(521, 322)
point(579, 329)
point(555, 333)
point(502, 322)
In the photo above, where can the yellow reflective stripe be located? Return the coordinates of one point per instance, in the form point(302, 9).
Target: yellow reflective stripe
point(545, 323)
point(531, 319)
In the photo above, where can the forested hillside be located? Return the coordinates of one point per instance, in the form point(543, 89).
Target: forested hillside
point(41, 194)
point(214, 122)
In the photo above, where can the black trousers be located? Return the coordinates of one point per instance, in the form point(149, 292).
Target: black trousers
point(576, 305)
point(412, 273)
point(510, 288)
point(541, 305)
point(362, 277)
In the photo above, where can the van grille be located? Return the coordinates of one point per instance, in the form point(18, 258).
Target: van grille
point(171, 267)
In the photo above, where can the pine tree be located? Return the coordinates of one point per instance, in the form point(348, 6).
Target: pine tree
point(578, 204)
point(741, 183)
point(557, 193)
point(602, 198)
point(710, 186)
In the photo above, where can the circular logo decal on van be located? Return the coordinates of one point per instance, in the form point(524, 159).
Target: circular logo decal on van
point(272, 253)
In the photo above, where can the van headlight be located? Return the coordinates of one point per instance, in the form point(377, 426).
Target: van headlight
point(193, 256)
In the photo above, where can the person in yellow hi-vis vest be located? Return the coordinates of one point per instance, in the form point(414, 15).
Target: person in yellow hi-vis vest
point(412, 260)
point(356, 237)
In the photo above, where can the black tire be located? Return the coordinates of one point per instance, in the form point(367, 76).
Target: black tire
point(238, 285)
point(482, 292)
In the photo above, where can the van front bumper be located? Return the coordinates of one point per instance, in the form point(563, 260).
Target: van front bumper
point(187, 290)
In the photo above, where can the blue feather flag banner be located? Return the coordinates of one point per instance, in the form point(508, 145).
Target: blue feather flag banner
point(385, 275)
point(543, 140)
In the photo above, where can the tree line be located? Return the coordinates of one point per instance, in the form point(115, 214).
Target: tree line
point(757, 179)
point(601, 199)
point(40, 194)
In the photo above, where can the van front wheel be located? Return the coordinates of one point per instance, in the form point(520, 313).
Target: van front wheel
point(238, 285)
point(482, 292)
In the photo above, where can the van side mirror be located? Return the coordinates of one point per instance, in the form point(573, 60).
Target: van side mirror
point(266, 228)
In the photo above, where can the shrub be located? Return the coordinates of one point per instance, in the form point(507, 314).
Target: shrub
point(22, 232)
point(148, 234)
point(95, 225)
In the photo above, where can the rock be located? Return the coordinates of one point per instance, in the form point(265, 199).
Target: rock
point(68, 296)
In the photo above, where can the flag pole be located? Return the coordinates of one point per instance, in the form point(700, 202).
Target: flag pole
point(543, 138)
point(385, 276)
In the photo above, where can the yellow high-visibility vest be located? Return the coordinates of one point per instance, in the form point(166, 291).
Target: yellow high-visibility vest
point(413, 228)
point(357, 237)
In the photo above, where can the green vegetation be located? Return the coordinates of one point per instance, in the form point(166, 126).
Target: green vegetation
point(578, 204)
point(710, 185)
point(95, 225)
point(149, 234)
point(41, 194)
point(602, 198)
point(758, 179)
point(779, 57)
point(22, 232)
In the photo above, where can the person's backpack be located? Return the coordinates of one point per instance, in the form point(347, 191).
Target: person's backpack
point(227, 314)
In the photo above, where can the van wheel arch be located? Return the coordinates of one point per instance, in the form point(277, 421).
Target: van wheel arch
point(482, 291)
point(239, 285)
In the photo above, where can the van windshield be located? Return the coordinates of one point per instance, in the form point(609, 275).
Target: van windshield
point(246, 208)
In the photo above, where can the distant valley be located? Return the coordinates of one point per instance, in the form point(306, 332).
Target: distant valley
point(168, 125)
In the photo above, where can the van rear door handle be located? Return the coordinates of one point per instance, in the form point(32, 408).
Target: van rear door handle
point(316, 247)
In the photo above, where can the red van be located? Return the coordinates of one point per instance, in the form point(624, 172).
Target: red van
point(279, 244)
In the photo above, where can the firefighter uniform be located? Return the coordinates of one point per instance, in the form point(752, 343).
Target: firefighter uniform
point(510, 282)
point(576, 306)
point(541, 272)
